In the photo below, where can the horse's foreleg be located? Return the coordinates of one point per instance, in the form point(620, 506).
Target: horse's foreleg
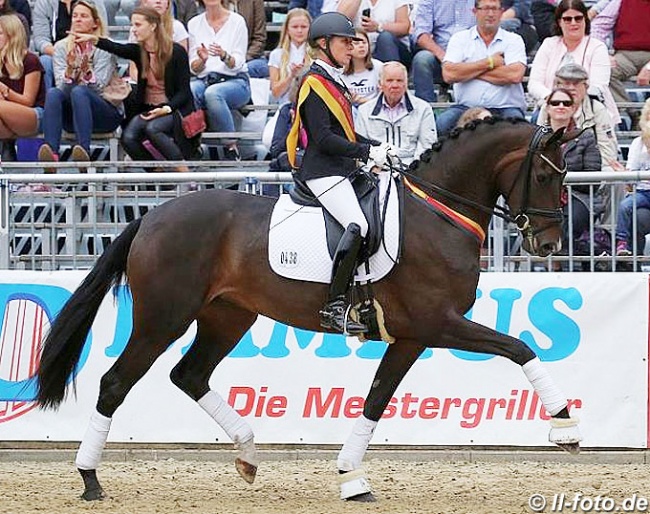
point(219, 327)
point(463, 334)
point(396, 362)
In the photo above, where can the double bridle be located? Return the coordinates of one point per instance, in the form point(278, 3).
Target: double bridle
point(521, 218)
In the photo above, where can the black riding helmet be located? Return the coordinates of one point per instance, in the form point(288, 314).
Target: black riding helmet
point(331, 24)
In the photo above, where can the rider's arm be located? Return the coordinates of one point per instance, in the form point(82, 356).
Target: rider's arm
point(316, 117)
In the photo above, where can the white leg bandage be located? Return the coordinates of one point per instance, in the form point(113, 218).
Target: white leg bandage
point(552, 398)
point(227, 418)
point(92, 445)
point(355, 447)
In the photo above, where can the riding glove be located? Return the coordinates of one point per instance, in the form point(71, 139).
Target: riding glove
point(378, 154)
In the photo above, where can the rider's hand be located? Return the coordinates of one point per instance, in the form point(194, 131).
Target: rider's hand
point(378, 154)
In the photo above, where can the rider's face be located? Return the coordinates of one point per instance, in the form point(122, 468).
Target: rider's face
point(341, 49)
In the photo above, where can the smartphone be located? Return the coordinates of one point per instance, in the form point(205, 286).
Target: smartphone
point(366, 13)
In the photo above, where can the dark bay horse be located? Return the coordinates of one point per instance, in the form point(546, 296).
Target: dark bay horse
point(203, 257)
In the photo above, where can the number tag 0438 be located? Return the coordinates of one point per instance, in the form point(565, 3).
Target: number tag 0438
point(288, 259)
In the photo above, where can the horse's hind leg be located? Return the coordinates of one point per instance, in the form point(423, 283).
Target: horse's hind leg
point(140, 353)
point(394, 365)
point(220, 326)
point(463, 334)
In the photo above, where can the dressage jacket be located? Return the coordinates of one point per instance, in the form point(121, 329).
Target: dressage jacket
point(329, 151)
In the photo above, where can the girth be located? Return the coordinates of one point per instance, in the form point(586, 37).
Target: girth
point(366, 188)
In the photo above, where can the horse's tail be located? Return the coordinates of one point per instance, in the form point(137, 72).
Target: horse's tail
point(63, 344)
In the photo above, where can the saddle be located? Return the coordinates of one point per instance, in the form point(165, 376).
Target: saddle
point(366, 188)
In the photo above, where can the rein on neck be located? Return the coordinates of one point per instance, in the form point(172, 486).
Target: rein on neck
point(521, 218)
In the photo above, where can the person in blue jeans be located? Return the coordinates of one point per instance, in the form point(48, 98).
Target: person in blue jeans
point(435, 22)
point(486, 65)
point(219, 42)
point(638, 159)
point(81, 72)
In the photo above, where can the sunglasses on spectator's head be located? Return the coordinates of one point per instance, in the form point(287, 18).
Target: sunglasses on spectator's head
point(565, 103)
point(577, 19)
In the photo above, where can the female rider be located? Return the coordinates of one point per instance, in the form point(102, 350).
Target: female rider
point(324, 111)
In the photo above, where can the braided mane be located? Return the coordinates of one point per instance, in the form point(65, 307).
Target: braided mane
point(435, 149)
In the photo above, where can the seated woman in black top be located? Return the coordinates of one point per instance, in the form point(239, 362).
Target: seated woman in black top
point(163, 90)
point(324, 111)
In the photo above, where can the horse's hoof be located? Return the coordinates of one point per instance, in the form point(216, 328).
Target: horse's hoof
point(246, 470)
point(362, 498)
point(93, 494)
point(572, 448)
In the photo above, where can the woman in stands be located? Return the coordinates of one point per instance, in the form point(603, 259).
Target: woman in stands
point(638, 159)
point(22, 90)
point(572, 44)
point(387, 24)
point(361, 76)
point(324, 111)
point(163, 90)
point(173, 27)
point(290, 59)
point(76, 104)
point(219, 41)
point(580, 154)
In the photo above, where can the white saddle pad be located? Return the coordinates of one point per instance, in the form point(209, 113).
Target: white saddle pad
point(298, 245)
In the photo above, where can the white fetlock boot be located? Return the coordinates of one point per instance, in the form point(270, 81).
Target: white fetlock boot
point(566, 434)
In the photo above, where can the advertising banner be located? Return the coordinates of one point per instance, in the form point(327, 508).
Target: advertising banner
point(294, 386)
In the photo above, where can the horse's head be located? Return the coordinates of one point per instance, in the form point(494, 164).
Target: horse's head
point(534, 196)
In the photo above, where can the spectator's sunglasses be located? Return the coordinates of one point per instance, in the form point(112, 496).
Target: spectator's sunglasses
point(557, 103)
point(577, 19)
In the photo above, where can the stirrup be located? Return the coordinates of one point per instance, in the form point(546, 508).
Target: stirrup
point(336, 317)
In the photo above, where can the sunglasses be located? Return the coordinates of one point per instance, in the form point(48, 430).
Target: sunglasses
point(556, 103)
point(577, 19)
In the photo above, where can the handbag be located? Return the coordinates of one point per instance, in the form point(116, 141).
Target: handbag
point(116, 90)
point(194, 123)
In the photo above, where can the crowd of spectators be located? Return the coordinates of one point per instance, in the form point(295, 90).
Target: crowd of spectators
point(496, 56)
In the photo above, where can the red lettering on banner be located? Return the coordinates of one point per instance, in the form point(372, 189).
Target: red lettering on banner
point(522, 405)
point(315, 397)
point(429, 408)
point(354, 407)
point(407, 400)
point(273, 407)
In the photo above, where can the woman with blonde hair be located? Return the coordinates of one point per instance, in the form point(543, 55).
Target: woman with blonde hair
point(22, 89)
point(81, 72)
point(163, 92)
point(291, 58)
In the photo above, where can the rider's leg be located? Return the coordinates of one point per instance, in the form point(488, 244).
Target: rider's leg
point(337, 196)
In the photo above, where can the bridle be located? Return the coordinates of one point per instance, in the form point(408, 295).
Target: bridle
point(522, 217)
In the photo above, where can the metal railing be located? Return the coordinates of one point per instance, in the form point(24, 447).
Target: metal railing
point(65, 220)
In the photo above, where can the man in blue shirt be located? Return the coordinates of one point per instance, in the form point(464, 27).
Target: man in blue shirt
point(486, 65)
point(435, 22)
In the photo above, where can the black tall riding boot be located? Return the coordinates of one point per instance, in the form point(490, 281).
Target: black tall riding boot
point(334, 314)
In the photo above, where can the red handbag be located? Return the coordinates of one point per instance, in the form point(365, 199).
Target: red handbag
point(194, 123)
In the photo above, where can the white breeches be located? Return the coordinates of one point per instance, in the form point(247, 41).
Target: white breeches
point(337, 196)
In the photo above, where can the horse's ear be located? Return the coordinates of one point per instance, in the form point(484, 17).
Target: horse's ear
point(554, 138)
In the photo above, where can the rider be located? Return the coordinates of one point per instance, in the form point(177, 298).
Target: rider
point(324, 112)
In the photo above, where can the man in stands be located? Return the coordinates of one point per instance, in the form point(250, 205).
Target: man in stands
point(632, 47)
point(435, 22)
point(486, 64)
point(394, 117)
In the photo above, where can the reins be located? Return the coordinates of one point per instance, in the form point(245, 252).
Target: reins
point(521, 217)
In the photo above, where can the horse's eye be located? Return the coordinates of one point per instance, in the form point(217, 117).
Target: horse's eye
point(543, 179)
